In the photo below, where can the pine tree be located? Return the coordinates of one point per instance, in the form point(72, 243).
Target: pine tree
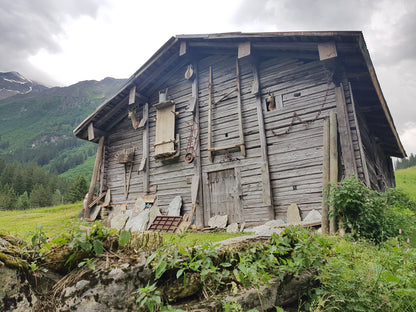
point(78, 190)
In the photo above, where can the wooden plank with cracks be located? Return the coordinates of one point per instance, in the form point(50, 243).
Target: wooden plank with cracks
point(347, 149)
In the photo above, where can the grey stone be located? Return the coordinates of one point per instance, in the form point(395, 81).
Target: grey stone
point(293, 216)
point(232, 228)
point(274, 223)
point(138, 223)
point(119, 221)
point(174, 208)
point(139, 206)
point(117, 274)
point(218, 222)
point(81, 284)
point(153, 213)
point(313, 216)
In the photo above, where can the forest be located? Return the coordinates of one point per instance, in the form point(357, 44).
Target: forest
point(24, 186)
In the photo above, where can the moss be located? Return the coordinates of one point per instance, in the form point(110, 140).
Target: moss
point(13, 262)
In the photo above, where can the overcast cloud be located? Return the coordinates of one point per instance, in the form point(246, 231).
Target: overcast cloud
point(29, 26)
point(65, 41)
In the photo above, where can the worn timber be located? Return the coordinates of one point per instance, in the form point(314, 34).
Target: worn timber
point(251, 161)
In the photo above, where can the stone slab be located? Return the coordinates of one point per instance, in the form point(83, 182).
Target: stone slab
point(218, 221)
point(174, 209)
point(293, 215)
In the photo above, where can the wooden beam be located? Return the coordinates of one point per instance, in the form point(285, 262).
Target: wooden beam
point(327, 50)
point(146, 165)
point(325, 177)
point(183, 48)
point(239, 110)
point(266, 185)
point(210, 115)
point(360, 142)
point(94, 177)
point(132, 95)
point(333, 162)
point(244, 49)
point(347, 147)
point(199, 203)
point(93, 132)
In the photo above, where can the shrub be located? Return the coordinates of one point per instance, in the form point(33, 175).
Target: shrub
point(369, 214)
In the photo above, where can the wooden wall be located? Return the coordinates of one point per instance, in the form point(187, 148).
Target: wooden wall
point(294, 149)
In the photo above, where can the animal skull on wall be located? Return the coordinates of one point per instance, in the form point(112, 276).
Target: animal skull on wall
point(134, 120)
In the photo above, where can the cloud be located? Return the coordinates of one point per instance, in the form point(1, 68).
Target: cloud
point(27, 26)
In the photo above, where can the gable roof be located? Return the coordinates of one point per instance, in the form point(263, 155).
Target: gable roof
point(351, 48)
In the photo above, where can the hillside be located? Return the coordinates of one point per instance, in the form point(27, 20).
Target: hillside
point(37, 126)
point(406, 180)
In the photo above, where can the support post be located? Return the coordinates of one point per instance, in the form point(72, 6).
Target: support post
point(197, 202)
point(325, 177)
point(94, 177)
point(267, 189)
point(146, 165)
point(240, 113)
point(210, 115)
point(333, 162)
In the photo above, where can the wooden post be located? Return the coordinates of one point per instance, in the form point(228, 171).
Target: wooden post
point(267, 189)
point(198, 201)
point(360, 142)
point(325, 177)
point(94, 177)
point(146, 167)
point(345, 133)
point(210, 115)
point(333, 162)
point(239, 109)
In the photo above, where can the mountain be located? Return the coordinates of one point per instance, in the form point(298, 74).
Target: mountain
point(12, 83)
point(37, 126)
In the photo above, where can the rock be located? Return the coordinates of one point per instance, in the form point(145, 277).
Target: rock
point(274, 223)
point(218, 221)
point(312, 217)
point(233, 228)
point(153, 213)
point(139, 206)
point(119, 221)
point(138, 223)
point(174, 208)
point(263, 230)
point(293, 216)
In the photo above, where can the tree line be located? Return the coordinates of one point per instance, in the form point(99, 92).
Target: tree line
point(24, 186)
point(406, 162)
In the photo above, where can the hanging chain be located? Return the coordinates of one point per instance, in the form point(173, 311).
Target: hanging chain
point(307, 123)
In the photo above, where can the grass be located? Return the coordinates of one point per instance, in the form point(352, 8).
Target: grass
point(406, 180)
point(52, 219)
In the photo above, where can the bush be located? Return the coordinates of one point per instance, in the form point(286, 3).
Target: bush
point(369, 214)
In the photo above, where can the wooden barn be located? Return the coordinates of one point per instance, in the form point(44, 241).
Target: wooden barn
point(244, 125)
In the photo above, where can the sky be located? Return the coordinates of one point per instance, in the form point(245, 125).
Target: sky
point(59, 43)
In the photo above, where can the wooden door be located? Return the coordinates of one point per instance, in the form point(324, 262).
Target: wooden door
point(223, 195)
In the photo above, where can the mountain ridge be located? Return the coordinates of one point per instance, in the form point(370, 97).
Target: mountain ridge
point(37, 126)
point(13, 83)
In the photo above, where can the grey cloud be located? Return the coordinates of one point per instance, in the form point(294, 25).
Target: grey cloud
point(305, 14)
point(27, 26)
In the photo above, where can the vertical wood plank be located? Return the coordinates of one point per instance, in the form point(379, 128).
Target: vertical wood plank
point(210, 115)
point(239, 110)
point(344, 128)
point(325, 177)
point(333, 162)
point(360, 142)
point(94, 177)
point(146, 168)
point(132, 95)
point(266, 185)
point(198, 202)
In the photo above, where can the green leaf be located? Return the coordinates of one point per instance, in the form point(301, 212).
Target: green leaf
point(98, 247)
point(124, 238)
